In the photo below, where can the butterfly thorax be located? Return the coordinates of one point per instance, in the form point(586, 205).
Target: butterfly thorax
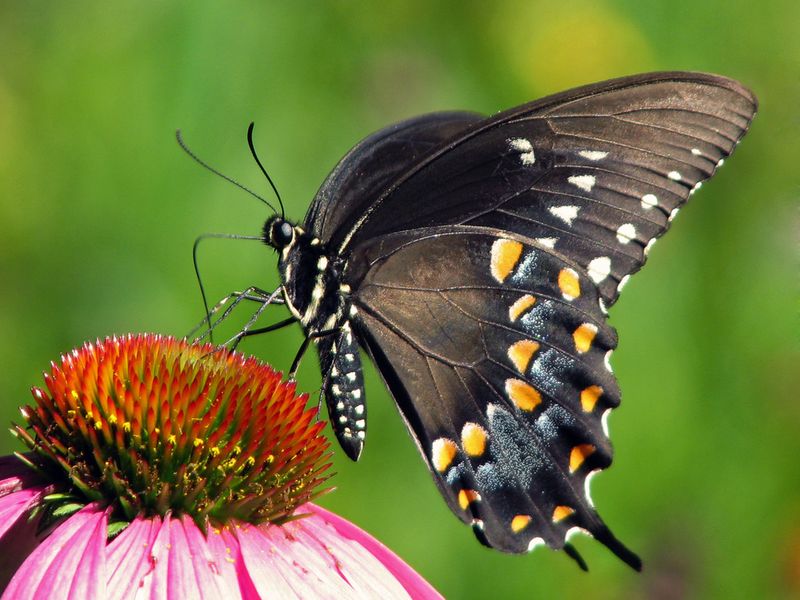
point(316, 296)
point(310, 276)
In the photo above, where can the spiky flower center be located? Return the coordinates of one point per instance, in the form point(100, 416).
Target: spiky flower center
point(151, 424)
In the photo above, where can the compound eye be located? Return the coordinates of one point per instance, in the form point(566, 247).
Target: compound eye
point(282, 233)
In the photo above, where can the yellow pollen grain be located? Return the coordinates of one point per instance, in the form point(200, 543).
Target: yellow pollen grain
point(569, 284)
point(172, 439)
point(467, 497)
point(520, 522)
point(112, 419)
point(126, 427)
point(520, 306)
point(522, 394)
point(521, 352)
point(473, 439)
point(250, 461)
point(584, 336)
point(197, 442)
point(98, 425)
point(505, 256)
point(443, 451)
point(589, 397)
point(578, 454)
point(74, 395)
point(561, 513)
point(214, 451)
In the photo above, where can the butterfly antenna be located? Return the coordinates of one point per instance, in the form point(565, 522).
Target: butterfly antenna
point(202, 163)
point(263, 170)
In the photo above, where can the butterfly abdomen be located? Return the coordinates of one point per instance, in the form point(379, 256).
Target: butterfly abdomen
point(343, 389)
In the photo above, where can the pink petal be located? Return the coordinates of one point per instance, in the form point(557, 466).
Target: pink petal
point(199, 561)
point(129, 559)
point(270, 562)
point(70, 563)
point(13, 506)
point(312, 557)
point(413, 583)
point(227, 559)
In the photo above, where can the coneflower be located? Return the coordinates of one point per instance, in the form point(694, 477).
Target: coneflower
point(162, 469)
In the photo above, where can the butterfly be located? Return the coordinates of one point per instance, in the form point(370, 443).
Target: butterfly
point(474, 260)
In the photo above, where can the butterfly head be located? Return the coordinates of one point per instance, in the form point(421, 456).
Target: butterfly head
point(278, 232)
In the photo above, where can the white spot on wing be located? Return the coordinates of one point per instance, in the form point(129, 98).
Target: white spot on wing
point(649, 246)
point(585, 182)
point(674, 175)
point(673, 214)
point(696, 152)
point(565, 213)
point(607, 361)
point(322, 263)
point(525, 148)
point(604, 421)
point(649, 201)
point(626, 233)
point(622, 283)
point(547, 242)
point(599, 268)
point(593, 154)
point(587, 486)
point(537, 541)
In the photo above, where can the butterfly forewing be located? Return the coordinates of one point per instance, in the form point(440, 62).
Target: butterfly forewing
point(597, 173)
point(498, 363)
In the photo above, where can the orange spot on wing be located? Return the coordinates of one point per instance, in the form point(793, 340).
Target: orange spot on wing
point(569, 284)
point(443, 451)
point(578, 455)
point(467, 497)
point(561, 513)
point(521, 353)
point(505, 256)
point(520, 306)
point(520, 522)
point(522, 394)
point(584, 336)
point(473, 439)
point(589, 397)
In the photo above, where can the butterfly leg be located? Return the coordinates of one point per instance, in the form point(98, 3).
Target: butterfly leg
point(252, 293)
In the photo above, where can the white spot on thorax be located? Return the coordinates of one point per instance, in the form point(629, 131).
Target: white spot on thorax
point(599, 268)
point(322, 263)
point(360, 408)
point(585, 182)
point(357, 395)
point(593, 154)
point(565, 213)
point(351, 376)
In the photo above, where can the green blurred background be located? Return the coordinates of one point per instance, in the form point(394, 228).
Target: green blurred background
point(99, 208)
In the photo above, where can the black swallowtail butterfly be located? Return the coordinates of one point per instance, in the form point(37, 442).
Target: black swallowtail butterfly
point(474, 259)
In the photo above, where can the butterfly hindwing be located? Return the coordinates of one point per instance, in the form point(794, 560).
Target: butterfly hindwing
point(597, 173)
point(498, 363)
